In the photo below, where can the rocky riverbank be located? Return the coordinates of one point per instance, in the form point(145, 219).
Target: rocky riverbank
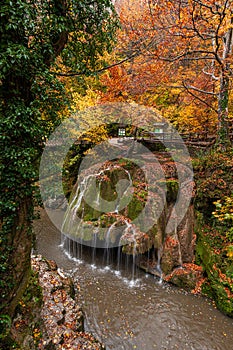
point(51, 318)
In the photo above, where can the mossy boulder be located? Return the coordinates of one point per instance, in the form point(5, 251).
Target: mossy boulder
point(186, 277)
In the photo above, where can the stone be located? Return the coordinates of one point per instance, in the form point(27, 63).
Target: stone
point(186, 277)
point(171, 255)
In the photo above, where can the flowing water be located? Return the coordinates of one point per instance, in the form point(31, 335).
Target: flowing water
point(135, 313)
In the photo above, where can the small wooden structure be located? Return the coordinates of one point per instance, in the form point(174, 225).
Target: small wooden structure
point(160, 128)
point(121, 130)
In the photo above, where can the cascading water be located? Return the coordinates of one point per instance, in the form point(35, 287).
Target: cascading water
point(87, 191)
point(113, 207)
point(74, 234)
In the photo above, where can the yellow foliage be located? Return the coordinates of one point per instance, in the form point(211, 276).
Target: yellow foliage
point(81, 102)
point(230, 252)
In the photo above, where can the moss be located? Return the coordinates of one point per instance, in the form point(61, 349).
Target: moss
point(26, 318)
point(217, 292)
point(184, 281)
point(5, 325)
point(33, 292)
point(91, 214)
point(213, 173)
point(172, 190)
point(134, 208)
point(218, 270)
point(126, 163)
point(8, 344)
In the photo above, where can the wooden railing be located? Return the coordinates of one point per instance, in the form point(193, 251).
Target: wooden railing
point(201, 139)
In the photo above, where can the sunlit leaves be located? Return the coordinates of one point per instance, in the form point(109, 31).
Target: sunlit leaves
point(183, 45)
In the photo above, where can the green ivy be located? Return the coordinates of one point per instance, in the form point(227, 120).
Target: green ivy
point(39, 42)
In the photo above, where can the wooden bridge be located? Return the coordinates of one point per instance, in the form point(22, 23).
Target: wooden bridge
point(197, 139)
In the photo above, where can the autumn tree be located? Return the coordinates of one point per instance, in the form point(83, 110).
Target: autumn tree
point(37, 39)
point(184, 45)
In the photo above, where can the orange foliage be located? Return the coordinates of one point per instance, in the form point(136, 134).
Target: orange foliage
point(176, 50)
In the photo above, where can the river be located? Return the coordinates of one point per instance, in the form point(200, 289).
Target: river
point(140, 313)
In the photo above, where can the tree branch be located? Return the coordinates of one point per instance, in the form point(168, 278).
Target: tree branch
point(72, 74)
point(198, 98)
point(210, 74)
point(199, 90)
point(189, 53)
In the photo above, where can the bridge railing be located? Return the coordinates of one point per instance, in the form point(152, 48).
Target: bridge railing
point(191, 137)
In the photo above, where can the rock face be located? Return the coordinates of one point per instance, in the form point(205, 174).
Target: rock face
point(155, 218)
point(173, 259)
point(178, 246)
point(174, 249)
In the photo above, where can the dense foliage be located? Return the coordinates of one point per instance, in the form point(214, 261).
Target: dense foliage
point(40, 40)
point(178, 57)
point(214, 208)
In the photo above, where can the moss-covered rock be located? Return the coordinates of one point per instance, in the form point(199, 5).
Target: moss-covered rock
point(128, 213)
point(186, 277)
point(218, 269)
point(214, 240)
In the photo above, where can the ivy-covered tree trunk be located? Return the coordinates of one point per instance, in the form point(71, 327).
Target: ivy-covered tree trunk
point(17, 261)
point(17, 171)
point(223, 140)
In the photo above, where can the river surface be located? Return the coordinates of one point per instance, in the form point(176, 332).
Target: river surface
point(140, 313)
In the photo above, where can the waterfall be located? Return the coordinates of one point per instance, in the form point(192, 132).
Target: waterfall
point(107, 210)
point(87, 200)
point(158, 267)
point(77, 232)
point(108, 240)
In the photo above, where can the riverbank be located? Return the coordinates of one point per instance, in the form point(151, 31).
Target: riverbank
point(49, 316)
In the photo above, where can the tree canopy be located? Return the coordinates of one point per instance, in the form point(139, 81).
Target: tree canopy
point(179, 58)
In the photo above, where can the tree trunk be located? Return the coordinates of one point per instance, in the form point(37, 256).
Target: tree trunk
point(19, 241)
point(21, 145)
point(223, 140)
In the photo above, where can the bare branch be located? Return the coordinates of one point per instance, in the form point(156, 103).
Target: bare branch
point(194, 24)
point(190, 53)
point(210, 74)
point(199, 90)
point(198, 98)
